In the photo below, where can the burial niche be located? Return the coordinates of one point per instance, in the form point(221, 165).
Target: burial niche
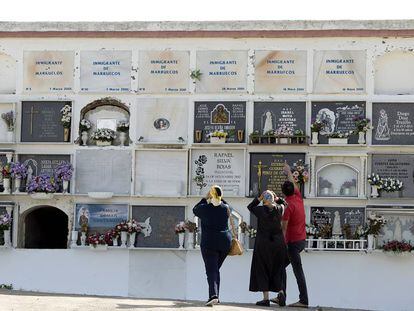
point(46, 227)
point(104, 122)
point(337, 180)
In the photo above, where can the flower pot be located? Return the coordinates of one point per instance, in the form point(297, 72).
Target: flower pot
point(115, 241)
point(123, 138)
point(181, 240)
point(6, 236)
point(190, 240)
point(41, 195)
point(338, 141)
point(6, 185)
point(374, 192)
point(10, 136)
point(361, 138)
point(315, 136)
point(103, 143)
point(83, 238)
point(283, 140)
point(65, 186)
point(347, 191)
point(217, 140)
point(320, 243)
point(66, 134)
point(74, 239)
point(124, 238)
point(240, 136)
point(84, 138)
point(325, 191)
point(132, 237)
point(371, 242)
point(198, 136)
point(17, 184)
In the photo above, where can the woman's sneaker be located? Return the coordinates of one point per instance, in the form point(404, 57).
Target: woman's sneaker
point(212, 301)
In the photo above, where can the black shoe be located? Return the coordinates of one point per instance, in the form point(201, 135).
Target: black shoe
point(212, 301)
point(263, 303)
point(281, 299)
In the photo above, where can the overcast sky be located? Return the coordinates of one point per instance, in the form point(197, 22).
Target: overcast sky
point(186, 10)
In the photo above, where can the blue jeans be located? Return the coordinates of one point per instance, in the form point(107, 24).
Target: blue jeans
point(213, 260)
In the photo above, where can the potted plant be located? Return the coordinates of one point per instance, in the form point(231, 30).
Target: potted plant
point(6, 171)
point(338, 138)
point(63, 174)
point(123, 128)
point(133, 229)
point(104, 137)
point(196, 74)
point(397, 247)
point(18, 172)
point(122, 227)
point(9, 119)
point(191, 228)
point(5, 225)
point(66, 118)
point(42, 187)
point(283, 134)
point(324, 186)
point(391, 185)
point(84, 126)
point(218, 137)
point(376, 184)
point(374, 225)
point(254, 137)
point(316, 127)
point(361, 127)
point(180, 231)
point(97, 241)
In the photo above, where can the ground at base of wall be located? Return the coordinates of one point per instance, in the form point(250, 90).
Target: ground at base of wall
point(33, 301)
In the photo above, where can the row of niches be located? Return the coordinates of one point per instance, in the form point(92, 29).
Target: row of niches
point(169, 71)
point(180, 173)
point(108, 121)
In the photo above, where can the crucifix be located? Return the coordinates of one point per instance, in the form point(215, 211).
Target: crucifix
point(260, 167)
point(31, 112)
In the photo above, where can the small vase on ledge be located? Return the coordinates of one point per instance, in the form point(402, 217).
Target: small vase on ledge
point(123, 138)
point(17, 184)
point(124, 238)
point(65, 185)
point(190, 240)
point(84, 138)
point(132, 239)
point(10, 136)
point(66, 134)
point(315, 140)
point(361, 138)
point(74, 239)
point(83, 238)
point(181, 240)
point(371, 242)
point(374, 192)
point(6, 235)
point(6, 185)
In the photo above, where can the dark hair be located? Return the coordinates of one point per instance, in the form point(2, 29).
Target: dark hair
point(288, 188)
point(218, 191)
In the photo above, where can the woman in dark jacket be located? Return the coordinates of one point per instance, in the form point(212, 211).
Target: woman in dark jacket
point(269, 255)
point(215, 238)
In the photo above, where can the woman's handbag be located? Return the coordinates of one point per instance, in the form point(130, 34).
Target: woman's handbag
point(236, 248)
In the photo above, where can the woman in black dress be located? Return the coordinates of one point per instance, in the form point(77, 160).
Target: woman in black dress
point(269, 255)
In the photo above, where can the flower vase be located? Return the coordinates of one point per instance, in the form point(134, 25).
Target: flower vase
point(190, 240)
point(310, 241)
point(246, 240)
point(66, 132)
point(17, 184)
point(6, 185)
point(347, 191)
point(181, 240)
point(65, 186)
point(84, 138)
point(10, 136)
point(122, 138)
point(83, 238)
point(325, 191)
point(124, 238)
point(132, 239)
point(315, 140)
point(115, 241)
point(320, 243)
point(361, 243)
point(74, 239)
point(6, 236)
point(371, 242)
point(374, 192)
point(361, 138)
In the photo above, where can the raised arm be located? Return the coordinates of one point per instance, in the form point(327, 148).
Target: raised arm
point(289, 176)
point(254, 208)
point(199, 208)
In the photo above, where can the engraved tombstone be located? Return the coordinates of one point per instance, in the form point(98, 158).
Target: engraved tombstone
point(7, 74)
point(352, 216)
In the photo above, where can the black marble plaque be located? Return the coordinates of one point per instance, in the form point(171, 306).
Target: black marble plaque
point(266, 171)
point(273, 115)
point(41, 121)
point(400, 166)
point(354, 216)
point(229, 117)
point(393, 123)
point(339, 117)
point(162, 221)
point(38, 164)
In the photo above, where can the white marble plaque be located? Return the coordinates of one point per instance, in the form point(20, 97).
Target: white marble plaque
point(223, 167)
point(393, 73)
point(162, 120)
point(164, 71)
point(105, 71)
point(7, 74)
point(280, 72)
point(48, 71)
point(103, 171)
point(339, 72)
point(161, 173)
point(222, 71)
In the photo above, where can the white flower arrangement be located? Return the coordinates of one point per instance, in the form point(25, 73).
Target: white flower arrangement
point(375, 180)
point(218, 134)
point(66, 112)
point(391, 185)
point(104, 134)
point(339, 134)
point(283, 130)
point(85, 124)
point(311, 230)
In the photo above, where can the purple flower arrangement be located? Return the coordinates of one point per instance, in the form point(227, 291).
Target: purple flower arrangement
point(42, 183)
point(64, 171)
point(5, 222)
point(18, 170)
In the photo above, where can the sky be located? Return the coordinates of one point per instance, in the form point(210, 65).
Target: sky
point(202, 10)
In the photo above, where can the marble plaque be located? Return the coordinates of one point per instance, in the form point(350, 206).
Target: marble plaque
point(161, 173)
point(162, 120)
point(223, 167)
point(48, 71)
point(400, 166)
point(159, 222)
point(338, 217)
point(229, 117)
point(103, 171)
point(222, 72)
point(393, 73)
point(105, 71)
point(7, 74)
point(41, 121)
point(393, 123)
point(339, 117)
point(266, 171)
point(280, 72)
point(339, 72)
point(164, 71)
point(100, 217)
point(270, 116)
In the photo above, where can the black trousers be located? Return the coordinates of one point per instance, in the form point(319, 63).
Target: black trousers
point(213, 260)
point(294, 249)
